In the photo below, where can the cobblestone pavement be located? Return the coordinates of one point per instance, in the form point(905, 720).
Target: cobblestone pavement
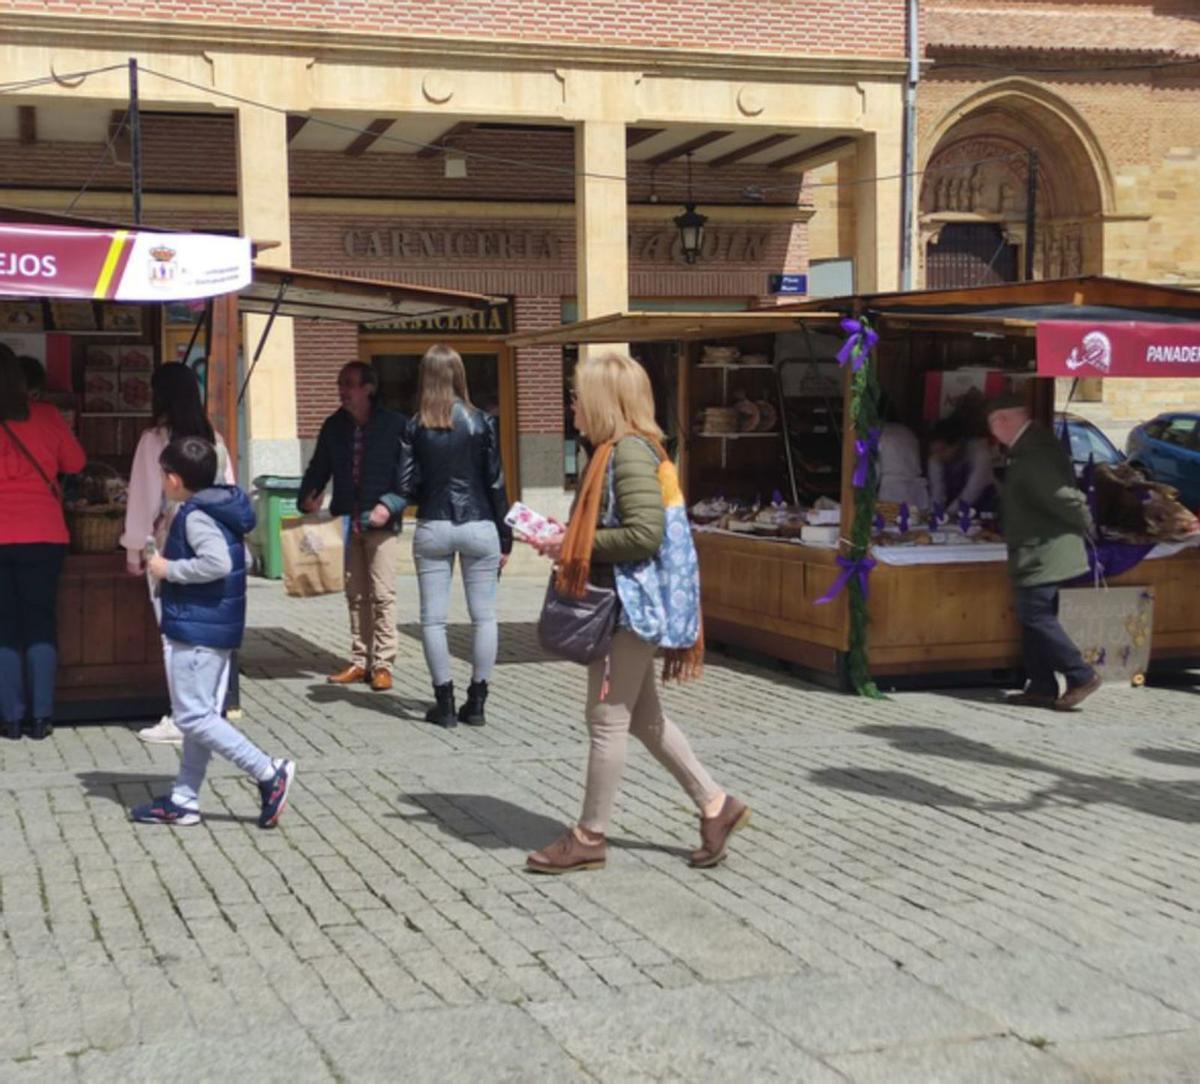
point(935, 887)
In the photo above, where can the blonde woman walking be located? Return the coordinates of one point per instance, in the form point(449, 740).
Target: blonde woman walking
point(610, 537)
point(450, 468)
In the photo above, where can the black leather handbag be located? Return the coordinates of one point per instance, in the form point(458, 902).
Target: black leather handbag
point(579, 629)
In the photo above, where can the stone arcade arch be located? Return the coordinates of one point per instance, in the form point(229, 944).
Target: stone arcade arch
point(972, 209)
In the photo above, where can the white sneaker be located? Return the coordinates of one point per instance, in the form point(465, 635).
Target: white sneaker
point(164, 732)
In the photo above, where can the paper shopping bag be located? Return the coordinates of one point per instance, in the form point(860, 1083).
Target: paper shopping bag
point(314, 555)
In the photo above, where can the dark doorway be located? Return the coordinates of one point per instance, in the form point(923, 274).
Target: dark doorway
point(969, 254)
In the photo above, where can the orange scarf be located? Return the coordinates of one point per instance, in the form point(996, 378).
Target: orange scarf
point(575, 564)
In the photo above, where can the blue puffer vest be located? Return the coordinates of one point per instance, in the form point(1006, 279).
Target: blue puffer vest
point(209, 614)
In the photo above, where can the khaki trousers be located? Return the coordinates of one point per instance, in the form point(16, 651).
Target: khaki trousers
point(371, 559)
point(632, 706)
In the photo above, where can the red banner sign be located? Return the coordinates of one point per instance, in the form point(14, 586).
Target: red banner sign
point(121, 265)
point(1081, 348)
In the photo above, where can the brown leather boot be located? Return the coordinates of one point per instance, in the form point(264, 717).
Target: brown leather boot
point(1077, 694)
point(349, 676)
point(381, 680)
point(567, 854)
point(715, 832)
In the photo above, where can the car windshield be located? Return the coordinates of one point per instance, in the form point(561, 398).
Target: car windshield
point(1088, 442)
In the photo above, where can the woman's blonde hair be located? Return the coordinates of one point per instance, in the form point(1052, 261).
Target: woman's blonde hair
point(615, 398)
point(443, 379)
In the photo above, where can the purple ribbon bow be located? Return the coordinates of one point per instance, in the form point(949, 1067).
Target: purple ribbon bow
point(859, 567)
point(860, 341)
point(865, 449)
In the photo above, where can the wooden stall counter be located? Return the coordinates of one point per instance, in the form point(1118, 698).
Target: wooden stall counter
point(927, 619)
point(109, 651)
point(762, 596)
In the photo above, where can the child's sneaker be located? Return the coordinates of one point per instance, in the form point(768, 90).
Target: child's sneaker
point(275, 793)
point(164, 732)
point(164, 811)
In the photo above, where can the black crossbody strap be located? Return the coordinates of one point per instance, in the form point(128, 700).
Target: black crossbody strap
point(52, 486)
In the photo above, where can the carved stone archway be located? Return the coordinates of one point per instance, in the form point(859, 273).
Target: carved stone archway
point(978, 173)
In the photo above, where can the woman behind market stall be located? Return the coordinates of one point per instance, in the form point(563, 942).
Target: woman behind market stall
point(35, 446)
point(177, 411)
point(614, 410)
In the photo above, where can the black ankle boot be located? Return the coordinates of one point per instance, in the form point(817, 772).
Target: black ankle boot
point(41, 728)
point(471, 712)
point(12, 731)
point(442, 713)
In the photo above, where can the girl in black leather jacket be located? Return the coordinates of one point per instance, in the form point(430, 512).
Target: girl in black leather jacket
point(450, 467)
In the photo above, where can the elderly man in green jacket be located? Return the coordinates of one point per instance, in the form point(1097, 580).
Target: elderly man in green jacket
point(1046, 522)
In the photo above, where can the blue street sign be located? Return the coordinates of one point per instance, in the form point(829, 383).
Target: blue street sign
point(787, 284)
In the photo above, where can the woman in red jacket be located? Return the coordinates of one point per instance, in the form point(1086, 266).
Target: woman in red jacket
point(35, 447)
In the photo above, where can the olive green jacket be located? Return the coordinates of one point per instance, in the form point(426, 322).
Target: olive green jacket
point(1045, 515)
point(639, 511)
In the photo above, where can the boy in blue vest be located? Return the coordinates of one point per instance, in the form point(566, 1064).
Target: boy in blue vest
point(202, 571)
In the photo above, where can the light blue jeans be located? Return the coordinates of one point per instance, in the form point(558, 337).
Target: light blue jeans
point(477, 545)
point(198, 679)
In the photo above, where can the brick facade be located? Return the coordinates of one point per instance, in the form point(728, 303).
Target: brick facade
point(865, 27)
point(1117, 123)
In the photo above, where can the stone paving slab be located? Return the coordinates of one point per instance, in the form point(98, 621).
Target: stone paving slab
point(934, 887)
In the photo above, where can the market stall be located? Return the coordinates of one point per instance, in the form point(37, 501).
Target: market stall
point(780, 458)
point(100, 309)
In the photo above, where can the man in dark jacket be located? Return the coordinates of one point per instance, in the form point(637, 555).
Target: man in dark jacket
point(358, 448)
point(1046, 522)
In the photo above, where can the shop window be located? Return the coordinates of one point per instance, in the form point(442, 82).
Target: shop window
point(398, 380)
point(661, 362)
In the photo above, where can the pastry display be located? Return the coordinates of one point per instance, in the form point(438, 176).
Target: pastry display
point(719, 421)
point(709, 511)
point(748, 415)
point(754, 359)
point(719, 355)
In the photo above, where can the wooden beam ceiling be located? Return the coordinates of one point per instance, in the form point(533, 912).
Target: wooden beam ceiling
point(686, 148)
point(27, 123)
point(634, 136)
point(828, 151)
point(749, 149)
point(374, 130)
point(295, 122)
point(438, 146)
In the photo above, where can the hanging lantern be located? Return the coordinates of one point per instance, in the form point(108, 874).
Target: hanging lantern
point(691, 223)
point(691, 232)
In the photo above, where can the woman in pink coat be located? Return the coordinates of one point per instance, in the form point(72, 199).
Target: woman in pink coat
point(178, 412)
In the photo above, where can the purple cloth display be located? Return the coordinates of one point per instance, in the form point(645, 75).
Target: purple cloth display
point(860, 341)
point(850, 568)
point(1112, 559)
point(864, 450)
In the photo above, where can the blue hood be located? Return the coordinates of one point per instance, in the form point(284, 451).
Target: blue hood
point(229, 506)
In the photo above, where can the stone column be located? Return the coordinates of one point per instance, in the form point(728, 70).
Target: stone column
point(877, 211)
point(272, 446)
point(601, 218)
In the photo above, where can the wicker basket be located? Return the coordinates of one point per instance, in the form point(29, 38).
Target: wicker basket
point(95, 528)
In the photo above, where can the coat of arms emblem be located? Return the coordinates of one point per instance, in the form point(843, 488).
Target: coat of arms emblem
point(163, 265)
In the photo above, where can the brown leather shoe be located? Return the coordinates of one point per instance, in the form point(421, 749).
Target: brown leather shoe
point(715, 832)
point(349, 676)
point(566, 855)
point(381, 680)
point(1075, 696)
point(1031, 700)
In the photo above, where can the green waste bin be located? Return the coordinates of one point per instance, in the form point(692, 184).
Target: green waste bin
point(279, 496)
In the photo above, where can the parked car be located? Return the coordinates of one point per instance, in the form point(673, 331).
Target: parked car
point(1168, 450)
point(1086, 441)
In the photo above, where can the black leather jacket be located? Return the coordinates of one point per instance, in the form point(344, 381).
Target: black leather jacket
point(455, 474)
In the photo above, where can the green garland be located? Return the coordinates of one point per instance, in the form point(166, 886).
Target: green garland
point(864, 414)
